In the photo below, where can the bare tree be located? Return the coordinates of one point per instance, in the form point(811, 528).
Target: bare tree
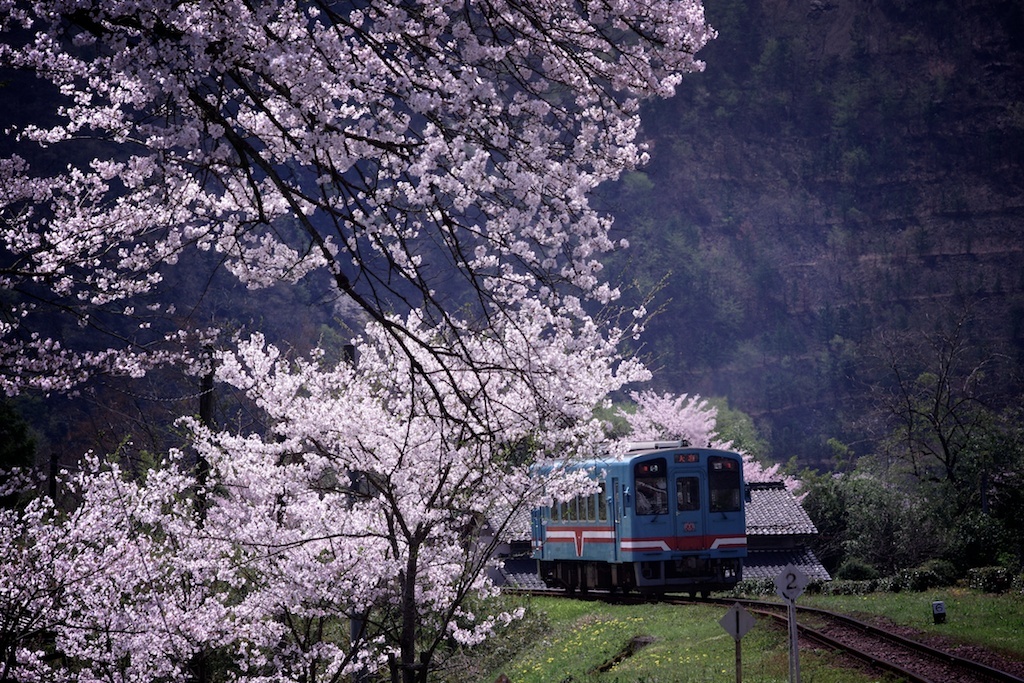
point(935, 399)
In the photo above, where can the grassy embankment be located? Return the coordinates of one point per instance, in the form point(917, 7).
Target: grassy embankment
point(992, 621)
point(576, 641)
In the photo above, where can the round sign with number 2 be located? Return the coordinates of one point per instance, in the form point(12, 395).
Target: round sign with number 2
point(790, 583)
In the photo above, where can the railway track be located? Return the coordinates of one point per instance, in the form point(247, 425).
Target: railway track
point(879, 648)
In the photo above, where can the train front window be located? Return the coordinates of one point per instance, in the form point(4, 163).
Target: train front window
point(723, 484)
point(651, 487)
point(687, 494)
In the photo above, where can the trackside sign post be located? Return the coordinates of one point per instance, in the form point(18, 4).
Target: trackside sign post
point(789, 585)
point(736, 622)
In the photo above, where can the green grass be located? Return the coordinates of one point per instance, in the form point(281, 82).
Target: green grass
point(688, 645)
point(569, 640)
point(992, 621)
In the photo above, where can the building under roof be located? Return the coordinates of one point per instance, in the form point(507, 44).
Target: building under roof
point(779, 533)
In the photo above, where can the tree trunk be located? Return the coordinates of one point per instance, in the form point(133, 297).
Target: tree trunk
point(409, 663)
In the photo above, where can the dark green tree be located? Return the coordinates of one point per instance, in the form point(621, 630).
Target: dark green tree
point(949, 445)
point(17, 447)
point(825, 502)
point(933, 399)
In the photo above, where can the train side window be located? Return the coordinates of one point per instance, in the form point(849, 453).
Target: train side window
point(723, 484)
point(592, 508)
point(651, 487)
point(574, 509)
point(602, 503)
point(687, 494)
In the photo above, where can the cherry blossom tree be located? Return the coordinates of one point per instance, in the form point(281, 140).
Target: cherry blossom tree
point(433, 161)
point(666, 416)
point(424, 485)
point(26, 595)
point(432, 156)
point(361, 503)
point(692, 419)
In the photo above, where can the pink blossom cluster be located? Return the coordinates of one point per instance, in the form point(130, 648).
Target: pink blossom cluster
point(401, 146)
point(693, 420)
point(363, 498)
point(670, 417)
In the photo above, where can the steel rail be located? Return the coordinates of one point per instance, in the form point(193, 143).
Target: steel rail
point(847, 649)
point(964, 664)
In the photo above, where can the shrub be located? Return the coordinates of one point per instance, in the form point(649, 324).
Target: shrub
point(848, 587)
point(892, 584)
point(990, 579)
point(918, 580)
point(754, 587)
point(944, 570)
point(855, 569)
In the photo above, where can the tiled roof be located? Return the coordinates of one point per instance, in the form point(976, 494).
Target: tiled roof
point(518, 573)
point(773, 511)
point(517, 526)
point(767, 564)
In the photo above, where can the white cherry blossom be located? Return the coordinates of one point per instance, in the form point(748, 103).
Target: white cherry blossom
point(413, 150)
point(434, 160)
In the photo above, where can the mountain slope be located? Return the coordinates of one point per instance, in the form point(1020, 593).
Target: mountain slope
point(840, 169)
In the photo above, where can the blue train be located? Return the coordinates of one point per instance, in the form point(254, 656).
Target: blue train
point(667, 517)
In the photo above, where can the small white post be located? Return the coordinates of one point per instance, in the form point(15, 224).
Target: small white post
point(788, 586)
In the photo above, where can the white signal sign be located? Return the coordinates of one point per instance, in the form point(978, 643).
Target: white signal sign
point(790, 583)
point(737, 621)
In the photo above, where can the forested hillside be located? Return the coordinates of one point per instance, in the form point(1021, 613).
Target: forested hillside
point(842, 173)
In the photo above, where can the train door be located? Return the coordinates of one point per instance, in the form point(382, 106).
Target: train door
point(538, 531)
point(615, 503)
point(652, 523)
point(689, 512)
point(726, 529)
